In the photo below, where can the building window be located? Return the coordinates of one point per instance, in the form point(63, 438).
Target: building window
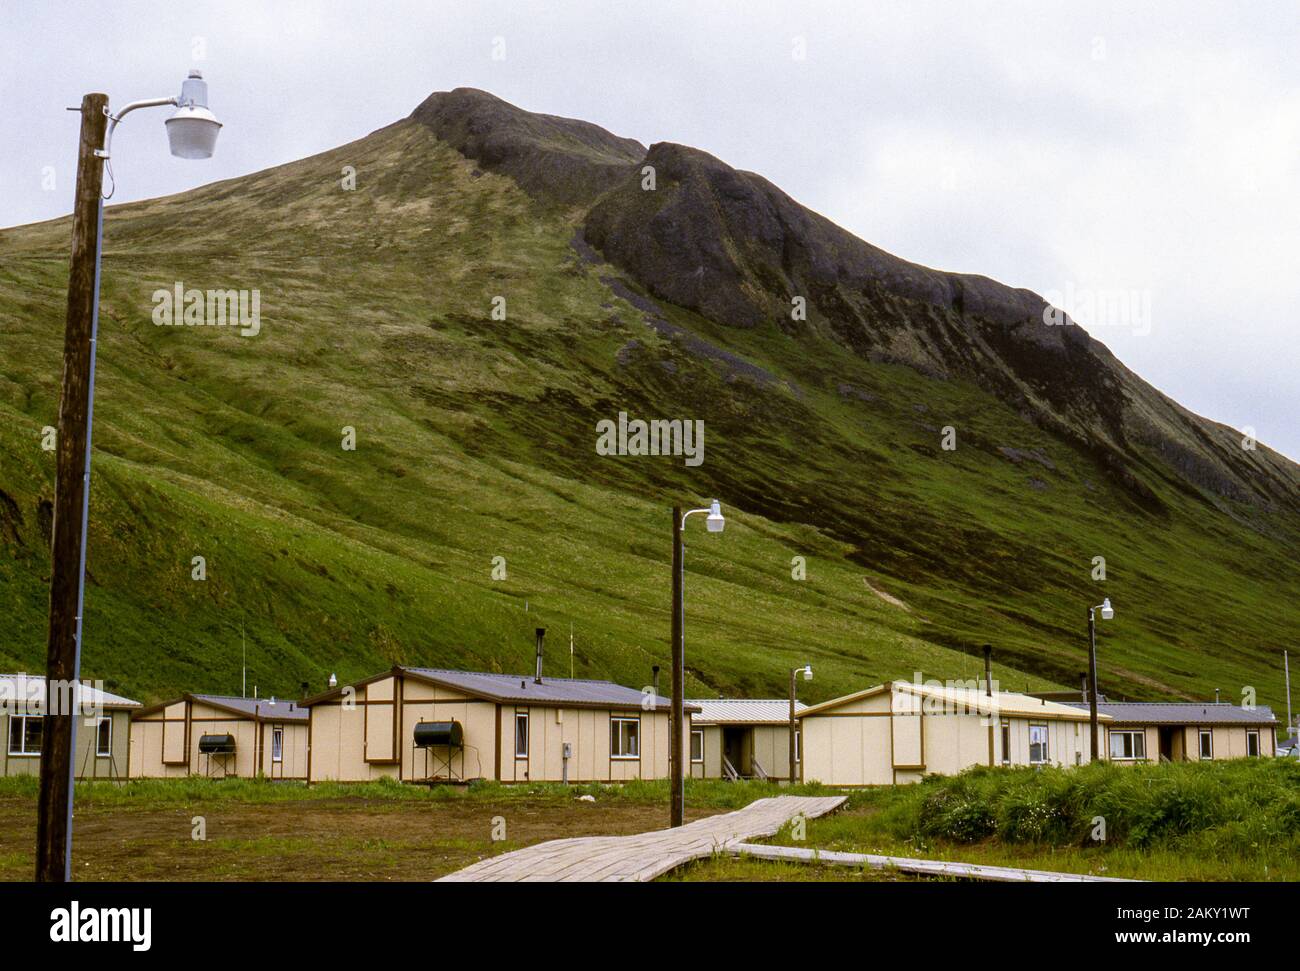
point(1130, 746)
point(1207, 743)
point(1037, 744)
point(697, 746)
point(104, 737)
point(1006, 742)
point(521, 734)
point(25, 733)
point(625, 738)
point(798, 747)
point(1252, 743)
point(277, 744)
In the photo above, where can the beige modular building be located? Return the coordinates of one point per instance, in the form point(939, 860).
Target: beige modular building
point(437, 725)
point(1157, 731)
point(898, 732)
point(220, 737)
point(102, 726)
point(742, 738)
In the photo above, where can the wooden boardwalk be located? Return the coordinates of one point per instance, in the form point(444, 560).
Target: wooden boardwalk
point(931, 868)
point(646, 855)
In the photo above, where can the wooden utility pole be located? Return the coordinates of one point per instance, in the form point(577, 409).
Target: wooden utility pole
point(794, 777)
point(71, 492)
point(1092, 678)
point(677, 812)
point(988, 693)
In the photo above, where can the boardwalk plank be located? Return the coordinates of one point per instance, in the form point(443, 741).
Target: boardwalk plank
point(967, 871)
point(646, 855)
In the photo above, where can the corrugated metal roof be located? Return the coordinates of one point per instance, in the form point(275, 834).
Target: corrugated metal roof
point(552, 691)
point(938, 699)
point(25, 686)
point(280, 710)
point(743, 711)
point(1180, 713)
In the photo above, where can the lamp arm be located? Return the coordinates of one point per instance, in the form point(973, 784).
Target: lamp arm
point(114, 119)
point(691, 512)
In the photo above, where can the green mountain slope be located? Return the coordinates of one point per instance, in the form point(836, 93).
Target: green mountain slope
point(475, 439)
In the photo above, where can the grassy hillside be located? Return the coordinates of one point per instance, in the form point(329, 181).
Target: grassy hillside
point(476, 439)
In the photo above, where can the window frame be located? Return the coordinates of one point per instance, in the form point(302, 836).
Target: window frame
point(798, 746)
point(277, 744)
point(527, 735)
point(1202, 734)
point(695, 733)
point(615, 734)
point(22, 752)
point(104, 752)
point(1047, 753)
point(1113, 734)
point(1006, 740)
point(1253, 733)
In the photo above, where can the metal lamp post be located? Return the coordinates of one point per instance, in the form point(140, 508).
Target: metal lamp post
point(192, 133)
point(807, 676)
point(715, 523)
point(1107, 613)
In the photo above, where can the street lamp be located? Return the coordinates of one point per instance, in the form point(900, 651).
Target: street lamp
point(714, 521)
point(1107, 613)
point(806, 670)
point(192, 133)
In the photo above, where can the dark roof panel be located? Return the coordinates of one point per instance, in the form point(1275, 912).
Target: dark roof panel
point(263, 708)
point(1180, 713)
point(552, 691)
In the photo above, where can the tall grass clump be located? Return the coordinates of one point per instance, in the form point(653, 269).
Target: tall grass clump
point(1245, 806)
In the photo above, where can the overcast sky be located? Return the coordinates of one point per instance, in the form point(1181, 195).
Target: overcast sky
point(1146, 154)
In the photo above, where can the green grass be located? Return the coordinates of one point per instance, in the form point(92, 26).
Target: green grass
point(158, 793)
point(1231, 820)
point(476, 440)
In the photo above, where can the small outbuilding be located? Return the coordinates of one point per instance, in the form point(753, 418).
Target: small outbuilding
point(1159, 731)
point(220, 737)
point(898, 732)
point(742, 738)
point(439, 725)
point(103, 728)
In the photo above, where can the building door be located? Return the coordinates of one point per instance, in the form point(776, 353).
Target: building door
point(733, 747)
point(1166, 745)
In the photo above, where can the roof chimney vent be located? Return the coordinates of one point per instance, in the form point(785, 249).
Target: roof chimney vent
point(541, 638)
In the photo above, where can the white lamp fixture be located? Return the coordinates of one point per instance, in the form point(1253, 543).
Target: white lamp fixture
point(192, 130)
point(715, 522)
point(807, 672)
point(1107, 611)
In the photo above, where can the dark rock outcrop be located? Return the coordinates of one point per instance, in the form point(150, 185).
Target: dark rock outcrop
point(734, 248)
point(553, 159)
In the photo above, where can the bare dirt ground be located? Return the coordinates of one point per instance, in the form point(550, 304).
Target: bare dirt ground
point(345, 839)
